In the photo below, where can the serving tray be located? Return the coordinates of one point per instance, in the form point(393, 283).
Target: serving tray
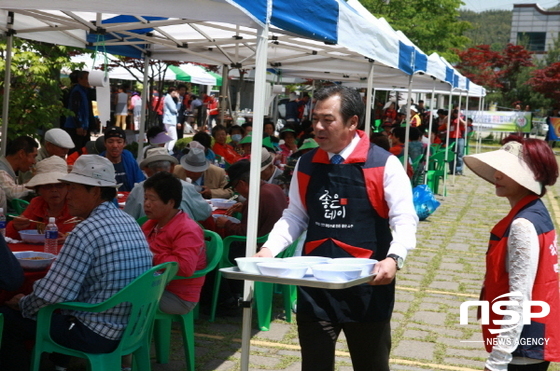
point(309, 281)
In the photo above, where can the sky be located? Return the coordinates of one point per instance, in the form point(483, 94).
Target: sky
point(482, 5)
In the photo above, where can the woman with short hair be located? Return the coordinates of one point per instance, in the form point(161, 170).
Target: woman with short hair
point(174, 237)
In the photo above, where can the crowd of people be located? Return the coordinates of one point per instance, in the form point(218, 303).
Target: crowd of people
point(321, 176)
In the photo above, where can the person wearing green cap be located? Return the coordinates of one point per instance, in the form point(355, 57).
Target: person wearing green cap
point(289, 146)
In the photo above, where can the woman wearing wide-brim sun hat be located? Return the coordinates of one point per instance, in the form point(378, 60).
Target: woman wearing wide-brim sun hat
point(522, 257)
point(50, 202)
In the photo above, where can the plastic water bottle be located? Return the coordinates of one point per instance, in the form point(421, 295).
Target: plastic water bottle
point(2, 222)
point(51, 237)
point(222, 163)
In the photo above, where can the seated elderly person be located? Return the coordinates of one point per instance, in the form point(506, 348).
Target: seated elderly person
point(50, 202)
point(20, 156)
point(57, 143)
point(221, 148)
point(209, 179)
point(157, 137)
point(102, 255)
point(272, 202)
point(158, 160)
point(270, 173)
point(173, 237)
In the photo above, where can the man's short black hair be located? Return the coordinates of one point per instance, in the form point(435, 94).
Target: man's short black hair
point(236, 127)
point(203, 138)
point(167, 187)
point(218, 128)
point(414, 134)
point(400, 132)
point(24, 142)
point(81, 75)
point(351, 102)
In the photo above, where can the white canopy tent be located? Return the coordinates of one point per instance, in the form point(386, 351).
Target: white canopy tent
point(242, 34)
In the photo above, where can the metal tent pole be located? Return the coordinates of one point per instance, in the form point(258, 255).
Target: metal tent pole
point(432, 102)
point(369, 100)
point(146, 88)
point(407, 131)
point(7, 80)
point(254, 187)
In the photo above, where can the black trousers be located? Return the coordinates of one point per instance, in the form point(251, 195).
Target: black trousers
point(369, 344)
point(19, 332)
point(543, 366)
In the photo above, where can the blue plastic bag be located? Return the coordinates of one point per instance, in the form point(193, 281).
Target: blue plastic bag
point(424, 201)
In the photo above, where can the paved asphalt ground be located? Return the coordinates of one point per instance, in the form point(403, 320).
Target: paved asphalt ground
point(444, 270)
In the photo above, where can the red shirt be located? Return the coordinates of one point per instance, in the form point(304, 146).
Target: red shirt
point(227, 152)
point(37, 210)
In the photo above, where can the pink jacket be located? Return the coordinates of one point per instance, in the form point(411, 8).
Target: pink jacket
point(181, 240)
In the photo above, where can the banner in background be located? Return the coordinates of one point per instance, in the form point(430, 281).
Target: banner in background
point(554, 128)
point(501, 121)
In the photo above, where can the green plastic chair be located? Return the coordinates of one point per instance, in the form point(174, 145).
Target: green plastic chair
point(141, 220)
point(162, 325)
point(143, 294)
point(263, 291)
point(437, 168)
point(266, 290)
point(226, 263)
point(19, 205)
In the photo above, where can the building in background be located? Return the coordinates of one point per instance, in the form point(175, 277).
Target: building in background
point(534, 27)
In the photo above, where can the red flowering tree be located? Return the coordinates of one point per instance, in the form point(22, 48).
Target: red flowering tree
point(496, 70)
point(547, 81)
point(479, 64)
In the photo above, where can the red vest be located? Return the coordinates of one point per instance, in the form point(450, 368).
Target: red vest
point(545, 287)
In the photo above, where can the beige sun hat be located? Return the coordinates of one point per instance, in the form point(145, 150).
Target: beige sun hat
point(266, 158)
point(508, 160)
point(92, 170)
point(157, 154)
point(48, 171)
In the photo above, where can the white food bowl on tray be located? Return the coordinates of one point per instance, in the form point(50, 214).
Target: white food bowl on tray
point(230, 218)
point(32, 236)
point(307, 260)
point(33, 260)
point(336, 272)
point(282, 269)
point(222, 203)
point(249, 265)
point(366, 264)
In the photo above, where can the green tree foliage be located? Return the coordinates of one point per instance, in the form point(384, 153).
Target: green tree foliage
point(35, 87)
point(491, 27)
point(433, 25)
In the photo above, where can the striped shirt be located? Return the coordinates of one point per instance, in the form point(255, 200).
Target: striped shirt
point(103, 254)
